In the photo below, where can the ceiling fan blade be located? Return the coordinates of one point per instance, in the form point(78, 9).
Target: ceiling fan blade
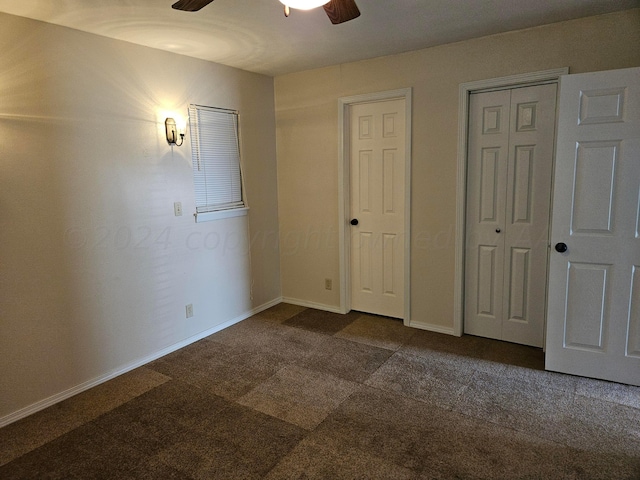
point(340, 11)
point(191, 5)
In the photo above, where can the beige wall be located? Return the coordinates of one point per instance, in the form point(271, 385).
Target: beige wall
point(307, 145)
point(95, 269)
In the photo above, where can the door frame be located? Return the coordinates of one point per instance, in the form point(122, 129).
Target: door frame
point(465, 90)
point(344, 192)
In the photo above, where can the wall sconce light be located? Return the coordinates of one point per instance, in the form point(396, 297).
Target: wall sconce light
point(172, 132)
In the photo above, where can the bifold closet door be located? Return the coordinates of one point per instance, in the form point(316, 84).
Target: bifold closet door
point(509, 171)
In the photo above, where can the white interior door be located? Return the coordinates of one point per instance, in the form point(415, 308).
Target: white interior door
point(510, 164)
point(377, 173)
point(594, 286)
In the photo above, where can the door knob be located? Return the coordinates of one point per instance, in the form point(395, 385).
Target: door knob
point(561, 247)
point(354, 221)
point(498, 230)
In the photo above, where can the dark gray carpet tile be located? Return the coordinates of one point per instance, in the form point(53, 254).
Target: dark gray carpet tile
point(322, 322)
point(34, 431)
point(475, 348)
point(239, 443)
point(587, 437)
point(345, 359)
point(106, 396)
point(430, 379)
point(587, 465)
point(511, 402)
point(423, 341)
point(617, 427)
point(163, 416)
point(299, 396)
point(285, 343)
point(377, 331)
point(52, 461)
point(611, 392)
point(279, 313)
point(387, 426)
point(223, 370)
point(318, 461)
point(462, 362)
point(87, 453)
point(528, 401)
point(31, 432)
point(512, 354)
point(390, 407)
point(394, 429)
point(537, 379)
point(443, 444)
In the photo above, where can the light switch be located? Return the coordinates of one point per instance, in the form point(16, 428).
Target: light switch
point(177, 208)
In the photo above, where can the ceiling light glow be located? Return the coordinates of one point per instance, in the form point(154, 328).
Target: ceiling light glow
point(304, 4)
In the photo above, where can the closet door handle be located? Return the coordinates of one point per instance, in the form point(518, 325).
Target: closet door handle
point(354, 221)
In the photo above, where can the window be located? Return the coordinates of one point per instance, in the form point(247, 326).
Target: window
point(215, 152)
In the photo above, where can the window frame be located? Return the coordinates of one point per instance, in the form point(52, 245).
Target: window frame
point(210, 212)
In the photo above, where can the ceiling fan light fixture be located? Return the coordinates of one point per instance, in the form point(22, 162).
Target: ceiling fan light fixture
point(304, 4)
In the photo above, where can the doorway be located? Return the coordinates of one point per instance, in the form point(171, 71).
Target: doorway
point(374, 186)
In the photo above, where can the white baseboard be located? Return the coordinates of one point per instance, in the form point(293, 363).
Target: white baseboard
point(432, 328)
point(59, 397)
point(317, 306)
point(264, 306)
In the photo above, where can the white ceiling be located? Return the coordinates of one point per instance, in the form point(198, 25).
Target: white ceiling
point(254, 35)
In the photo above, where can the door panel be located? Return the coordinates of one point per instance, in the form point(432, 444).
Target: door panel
point(487, 271)
point(389, 266)
point(593, 313)
point(377, 202)
point(519, 288)
point(486, 198)
point(391, 194)
point(365, 262)
point(526, 236)
point(586, 303)
point(490, 185)
point(522, 185)
point(592, 203)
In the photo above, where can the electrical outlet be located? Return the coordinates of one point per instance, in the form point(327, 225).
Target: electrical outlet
point(177, 208)
point(328, 284)
point(189, 309)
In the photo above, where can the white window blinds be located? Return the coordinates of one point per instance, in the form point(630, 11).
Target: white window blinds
point(216, 159)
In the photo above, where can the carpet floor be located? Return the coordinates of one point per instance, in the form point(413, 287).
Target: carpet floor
point(296, 393)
